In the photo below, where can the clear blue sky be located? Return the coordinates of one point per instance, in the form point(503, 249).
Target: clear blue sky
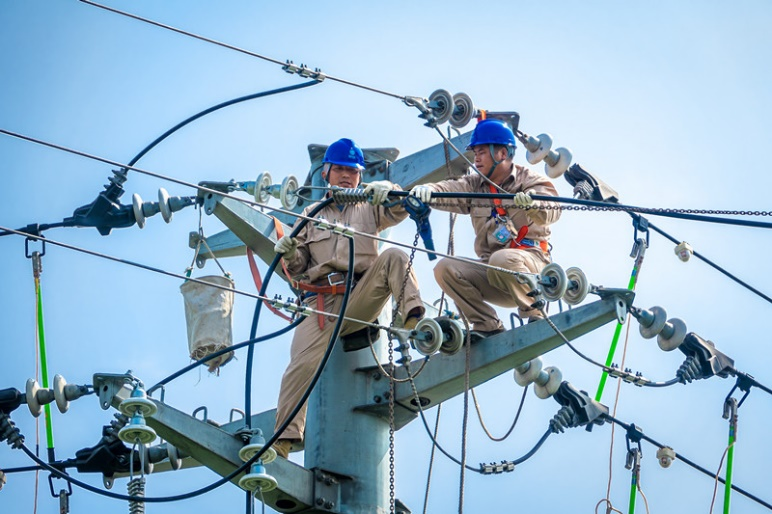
point(668, 102)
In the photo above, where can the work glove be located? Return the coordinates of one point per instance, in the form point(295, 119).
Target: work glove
point(523, 200)
point(380, 190)
point(423, 193)
point(287, 246)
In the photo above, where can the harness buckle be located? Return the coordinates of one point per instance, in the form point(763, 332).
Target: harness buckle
point(338, 282)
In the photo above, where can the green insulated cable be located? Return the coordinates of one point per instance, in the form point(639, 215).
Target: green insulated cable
point(633, 492)
point(612, 349)
point(37, 268)
point(729, 459)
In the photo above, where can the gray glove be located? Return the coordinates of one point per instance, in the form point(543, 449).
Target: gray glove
point(423, 193)
point(287, 246)
point(523, 200)
point(380, 190)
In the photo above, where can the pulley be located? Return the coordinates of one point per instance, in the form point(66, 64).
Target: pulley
point(258, 480)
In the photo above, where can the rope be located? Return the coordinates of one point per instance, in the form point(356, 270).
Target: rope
point(514, 422)
point(467, 371)
point(431, 458)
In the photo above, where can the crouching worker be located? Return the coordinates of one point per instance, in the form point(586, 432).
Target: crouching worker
point(514, 236)
point(318, 259)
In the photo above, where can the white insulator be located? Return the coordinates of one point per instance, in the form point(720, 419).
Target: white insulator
point(136, 205)
point(454, 335)
point(60, 393)
point(137, 431)
point(173, 455)
point(430, 337)
point(653, 322)
point(666, 455)
point(548, 382)
point(37, 397)
point(537, 148)
point(557, 162)
point(258, 479)
point(441, 104)
point(578, 288)
point(164, 205)
point(260, 189)
point(131, 405)
point(684, 251)
point(672, 335)
point(463, 110)
point(528, 372)
point(248, 451)
point(288, 192)
point(554, 274)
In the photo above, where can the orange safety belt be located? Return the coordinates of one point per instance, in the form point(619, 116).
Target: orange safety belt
point(521, 233)
point(259, 283)
point(295, 283)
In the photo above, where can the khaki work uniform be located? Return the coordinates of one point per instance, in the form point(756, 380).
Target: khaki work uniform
point(321, 253)
point(471, 285)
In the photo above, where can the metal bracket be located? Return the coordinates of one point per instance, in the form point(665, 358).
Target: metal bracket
point(326, 491)
point(624, 300)
point(109, 386)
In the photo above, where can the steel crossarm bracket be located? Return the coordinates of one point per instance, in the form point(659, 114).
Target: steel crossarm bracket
point(443, 376)
point(254, 228)
point(217, 448)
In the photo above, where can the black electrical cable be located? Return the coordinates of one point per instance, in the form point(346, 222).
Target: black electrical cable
point(258, 306)
point(215, 108)
point(223, 351)
point(709, 262)
point(258, 454)
point(466, 466)
point(689, 462)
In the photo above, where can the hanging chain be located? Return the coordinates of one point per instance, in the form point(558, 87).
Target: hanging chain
point(611, 207)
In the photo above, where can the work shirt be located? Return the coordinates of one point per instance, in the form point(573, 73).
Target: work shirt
point(483, 212)
point(321, 252)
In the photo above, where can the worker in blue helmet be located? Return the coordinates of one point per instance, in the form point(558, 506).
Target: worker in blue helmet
point(318, 261)
point(511, 234)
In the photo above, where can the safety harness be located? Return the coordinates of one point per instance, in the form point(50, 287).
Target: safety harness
point(336, 281)
point(519, 241)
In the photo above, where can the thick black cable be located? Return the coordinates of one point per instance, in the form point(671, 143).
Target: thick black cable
point(470, 468)
point(215, 108)
point(689, 462)
point(258, 306)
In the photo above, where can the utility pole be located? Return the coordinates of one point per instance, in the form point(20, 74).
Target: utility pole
point(346, 467)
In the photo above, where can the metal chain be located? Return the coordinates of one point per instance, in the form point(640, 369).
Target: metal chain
point(610, 207)
point(392, 378)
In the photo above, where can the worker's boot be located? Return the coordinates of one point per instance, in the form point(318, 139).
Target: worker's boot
point(282, 447)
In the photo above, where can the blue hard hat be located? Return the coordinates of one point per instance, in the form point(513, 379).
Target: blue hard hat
point(492, 132)
point(344, 152)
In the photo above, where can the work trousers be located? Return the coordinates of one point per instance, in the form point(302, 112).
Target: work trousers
point(384, 278)
point(471, 285)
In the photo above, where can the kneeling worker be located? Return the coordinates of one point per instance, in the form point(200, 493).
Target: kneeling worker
point(318, 259)
point(515, 237)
